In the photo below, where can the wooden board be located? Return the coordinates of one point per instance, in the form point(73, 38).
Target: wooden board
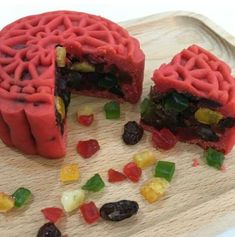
point(200, 201)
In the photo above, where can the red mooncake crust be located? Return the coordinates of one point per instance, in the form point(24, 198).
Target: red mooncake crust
point(199, 73)
point(27, 73)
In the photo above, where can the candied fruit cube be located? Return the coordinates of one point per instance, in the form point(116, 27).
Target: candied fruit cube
point(112, 110)
point(207, 116)
point(132, 172)
point(52, 214)
point(154, 188)
point(85, 110)
point(176, 102)
point(60, 106)
point(144, 159)
point(83, 67)
point(214, 158)
point(115, 176)
point(90, 212)
point(71, 200)
point(165, 169)
point(69, 173)
point(163, 139)
point(87, 148)
point(60, 56)
point(94, 184)
point(6, 202)
point(21, 196)
point(86, 120)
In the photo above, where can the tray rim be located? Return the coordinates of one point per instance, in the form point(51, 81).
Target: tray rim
point(215, 28)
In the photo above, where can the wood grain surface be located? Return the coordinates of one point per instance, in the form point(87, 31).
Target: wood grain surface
point(200, 201)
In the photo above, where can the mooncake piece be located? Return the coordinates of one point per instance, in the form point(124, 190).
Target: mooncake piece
point(194, 97)
point(43, 58)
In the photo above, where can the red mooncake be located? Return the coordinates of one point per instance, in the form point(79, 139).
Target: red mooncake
point(43, 58)
point(194, 97)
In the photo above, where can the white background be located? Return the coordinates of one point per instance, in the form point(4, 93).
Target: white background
point(221, 12)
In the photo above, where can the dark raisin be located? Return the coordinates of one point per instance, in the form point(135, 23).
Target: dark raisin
point(208, 103)
point(125, 77)
point(107, 81)
point(118, 211)
point(156, 97)
point(74, 80)
point(117, 91)
point(99, 67)
point(227, 123)
point(49, 230)
point(206, 133)
point(190, 97)
point(133, 133)
point(66, 98)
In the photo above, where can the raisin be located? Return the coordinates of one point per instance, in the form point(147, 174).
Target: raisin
point(49, 230)
point(133, 133)
point(208, 103)
point(75, 80)
point(118, 211)
point(227, 123)
point(107, 81)
point(117, 91)
point(206, 133)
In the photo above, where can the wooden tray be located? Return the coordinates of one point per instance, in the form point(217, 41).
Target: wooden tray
point(200, 201)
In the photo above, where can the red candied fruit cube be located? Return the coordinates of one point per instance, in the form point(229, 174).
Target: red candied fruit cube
point(115, 176)
point(86, 120)
point(90, 212)
point(88, 148)
point(163, 139)
point(52, 214)
point(132, 172)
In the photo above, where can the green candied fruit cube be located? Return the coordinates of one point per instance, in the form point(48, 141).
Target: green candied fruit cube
point(144, 106)
point(214, 158)
point(176, 102)
point(83, 67)
point(94, 184)
point(112, 110)
point(108, 81)
point(165, 169)
point(21, 196)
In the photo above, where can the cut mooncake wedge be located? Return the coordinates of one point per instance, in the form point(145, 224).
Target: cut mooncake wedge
point(45, 57)
point(194, 97)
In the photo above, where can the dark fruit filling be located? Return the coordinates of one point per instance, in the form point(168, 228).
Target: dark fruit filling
point(82, 74)
point(190, 116)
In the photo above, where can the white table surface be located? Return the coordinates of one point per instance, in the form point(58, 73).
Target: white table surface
point(221, 12)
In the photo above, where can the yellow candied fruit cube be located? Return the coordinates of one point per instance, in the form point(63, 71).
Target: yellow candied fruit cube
point(83, 67)
point(207, 116)
point(69, 173)
point(60, 106)
point(6, 202)
point(71, 200)
point(85, 110)
point(154, 188)
point(60, 56)
point(144, 159)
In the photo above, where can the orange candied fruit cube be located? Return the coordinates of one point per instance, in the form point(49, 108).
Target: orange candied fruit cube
point(144, 159)
point(6, 202)
point(153, 189)
point(69, 173)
